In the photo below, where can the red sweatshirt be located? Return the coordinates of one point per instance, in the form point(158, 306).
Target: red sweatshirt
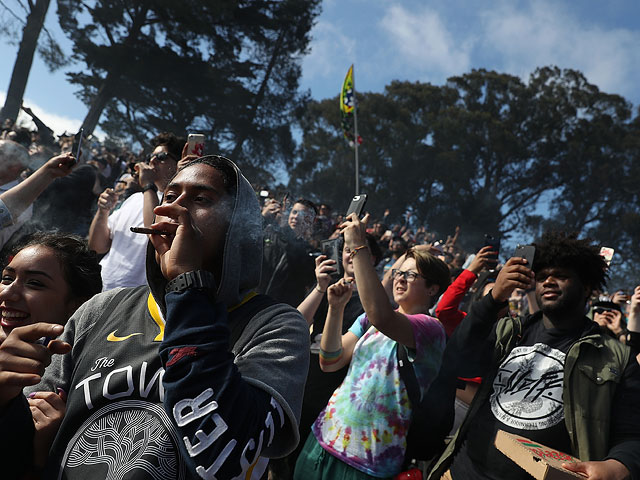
point(447, 308)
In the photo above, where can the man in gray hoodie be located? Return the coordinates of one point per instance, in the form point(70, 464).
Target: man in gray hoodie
point(192, 376)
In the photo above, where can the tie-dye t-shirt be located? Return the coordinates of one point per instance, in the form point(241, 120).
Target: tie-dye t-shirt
point(366, 421)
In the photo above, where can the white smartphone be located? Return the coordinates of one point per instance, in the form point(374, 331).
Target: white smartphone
point(195, 142)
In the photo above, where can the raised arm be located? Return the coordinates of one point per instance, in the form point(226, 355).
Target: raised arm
point(373, 296)
point(336, 349)
point(99, 233)
point(309, 306)
point(18, 199)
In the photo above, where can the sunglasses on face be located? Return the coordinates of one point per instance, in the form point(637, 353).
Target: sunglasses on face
point(408, 276)
point(603, 310)
point(159, 157)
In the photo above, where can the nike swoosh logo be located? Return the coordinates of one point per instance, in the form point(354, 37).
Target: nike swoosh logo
point(112, 337)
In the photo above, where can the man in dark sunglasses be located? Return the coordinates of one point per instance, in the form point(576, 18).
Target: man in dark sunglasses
point(124, 265)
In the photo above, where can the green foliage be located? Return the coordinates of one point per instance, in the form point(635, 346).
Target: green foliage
point(490, 153)
point(228, 69)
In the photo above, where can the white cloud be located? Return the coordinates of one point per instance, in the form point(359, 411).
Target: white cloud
point(547, 34)
point(58, 123)
point(331, 53)
point(422, 41)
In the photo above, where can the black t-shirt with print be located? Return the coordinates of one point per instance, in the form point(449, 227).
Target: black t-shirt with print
point(526, 400)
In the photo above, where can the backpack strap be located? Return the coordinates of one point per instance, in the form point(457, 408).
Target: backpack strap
point(408, 376)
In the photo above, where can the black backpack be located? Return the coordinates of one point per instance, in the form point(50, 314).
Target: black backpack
point(431, 416)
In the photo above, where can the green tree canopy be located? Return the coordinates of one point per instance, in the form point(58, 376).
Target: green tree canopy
point(228, 69)
point(486, 151)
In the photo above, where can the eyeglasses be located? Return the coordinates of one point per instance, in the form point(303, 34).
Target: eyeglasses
point(408, 276)
point(160, 157)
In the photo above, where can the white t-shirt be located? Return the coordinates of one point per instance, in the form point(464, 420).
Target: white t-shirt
point(124, 264)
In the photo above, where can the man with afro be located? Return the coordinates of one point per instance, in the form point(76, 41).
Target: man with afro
point(552, 377)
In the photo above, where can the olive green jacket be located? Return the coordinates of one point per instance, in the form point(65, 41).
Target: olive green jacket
point(593, 369)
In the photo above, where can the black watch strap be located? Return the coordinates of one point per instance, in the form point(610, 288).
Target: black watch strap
point(150, 186)
point(200, 279)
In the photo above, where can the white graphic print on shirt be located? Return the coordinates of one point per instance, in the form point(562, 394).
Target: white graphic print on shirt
point(527, 391)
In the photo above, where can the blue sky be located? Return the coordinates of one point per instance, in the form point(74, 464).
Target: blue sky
point(418, 41)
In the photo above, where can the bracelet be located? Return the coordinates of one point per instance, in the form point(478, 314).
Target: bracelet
point(321, 291)
point(356, 250)
point(330, 357)
point(150, 186)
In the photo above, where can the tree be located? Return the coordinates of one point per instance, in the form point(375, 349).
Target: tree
point(395, 127)
point(228, 69)
point(486, 151)
point(50, 50)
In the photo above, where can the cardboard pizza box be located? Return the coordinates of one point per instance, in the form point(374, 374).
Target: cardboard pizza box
point(540, 461)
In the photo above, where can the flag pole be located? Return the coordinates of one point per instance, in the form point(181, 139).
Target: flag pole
point(355, 128)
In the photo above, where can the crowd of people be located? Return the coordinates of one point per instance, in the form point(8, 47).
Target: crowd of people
point(162, 317)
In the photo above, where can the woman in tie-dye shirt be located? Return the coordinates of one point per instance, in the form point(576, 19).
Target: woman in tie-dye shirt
point(362, 431)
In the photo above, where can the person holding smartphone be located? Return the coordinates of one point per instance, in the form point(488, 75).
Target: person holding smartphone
point(123, 264)
point(552, 377)
point(365, 423)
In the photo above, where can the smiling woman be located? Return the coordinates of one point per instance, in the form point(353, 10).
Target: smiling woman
point(47, 278)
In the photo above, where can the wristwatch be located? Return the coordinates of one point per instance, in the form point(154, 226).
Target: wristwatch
point(199, 279)
point(149, 186)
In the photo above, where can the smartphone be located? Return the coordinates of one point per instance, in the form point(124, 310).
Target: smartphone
point(607, 254)
point(527, 252)
point(357, 205)
point(195, 144)
point(76, 150)
point(490, 241)
point(494, 243)
point(333, 250)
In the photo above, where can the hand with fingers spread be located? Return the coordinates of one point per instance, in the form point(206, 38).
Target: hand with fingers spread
point(339, 294)
point(47, 411)
point(23, 360)
point(486, 256)
point(355, 231)
point(515, 274)
point(181, 252)
point(324, 268)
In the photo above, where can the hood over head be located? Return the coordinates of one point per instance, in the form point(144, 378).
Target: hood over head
point(242, 256)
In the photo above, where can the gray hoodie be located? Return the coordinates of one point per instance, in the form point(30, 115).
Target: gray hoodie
point(133, 378)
